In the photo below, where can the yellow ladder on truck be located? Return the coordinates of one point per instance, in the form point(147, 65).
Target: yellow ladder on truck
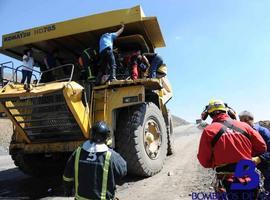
point(99, 105)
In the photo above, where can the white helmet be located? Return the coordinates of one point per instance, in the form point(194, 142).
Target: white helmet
point(247, 114)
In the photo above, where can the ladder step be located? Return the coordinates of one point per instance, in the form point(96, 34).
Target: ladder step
point(46, 119)
point(36, 106)
point(74, 131)
point(41, 114)
point(50, 126)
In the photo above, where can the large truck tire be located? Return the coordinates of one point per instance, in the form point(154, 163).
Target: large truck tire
point(38, 165)
point(171, 135)
point(141, 138)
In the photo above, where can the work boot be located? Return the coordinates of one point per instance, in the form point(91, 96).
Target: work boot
point(113, 75)
point(27, 87)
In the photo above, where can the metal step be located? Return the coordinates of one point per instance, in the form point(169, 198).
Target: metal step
point(49, 126)
point(36, 106)
point(44, 113)
point(56, 138)
point(53, 134)
point(46, 119)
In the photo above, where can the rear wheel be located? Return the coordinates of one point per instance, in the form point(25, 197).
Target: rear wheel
point(142, 139)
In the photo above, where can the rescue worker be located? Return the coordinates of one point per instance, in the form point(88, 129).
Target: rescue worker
point(94, 168)
point(137, 61)
point(106, 52)
point(154, 61)
point(88, 70)
point(262, 161)
point(140, 61)
point(223, 144)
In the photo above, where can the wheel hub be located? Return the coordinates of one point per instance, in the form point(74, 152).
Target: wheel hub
point(152, 139)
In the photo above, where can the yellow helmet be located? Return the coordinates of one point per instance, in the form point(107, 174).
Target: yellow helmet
point(215, 105)
point(162, 69)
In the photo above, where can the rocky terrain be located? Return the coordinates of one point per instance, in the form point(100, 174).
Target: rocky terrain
point(5, 135)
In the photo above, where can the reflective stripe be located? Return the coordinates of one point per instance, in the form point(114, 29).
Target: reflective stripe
point(90, 73)
point(68, 179)
point(76, 167)
point(78, 197)
point(89, 68)
point(85, 51)
point(104, 178)
point(105, 175)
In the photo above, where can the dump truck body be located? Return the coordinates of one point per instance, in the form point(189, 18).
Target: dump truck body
point(52, 119)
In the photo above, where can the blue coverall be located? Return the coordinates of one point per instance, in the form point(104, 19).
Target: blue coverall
point(264, 166)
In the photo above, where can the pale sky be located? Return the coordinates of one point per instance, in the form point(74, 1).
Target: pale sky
point(214, 49)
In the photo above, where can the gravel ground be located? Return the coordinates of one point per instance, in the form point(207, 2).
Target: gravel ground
point(182, 174)
point(5, 137)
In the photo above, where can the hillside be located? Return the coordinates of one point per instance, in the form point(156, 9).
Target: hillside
point(177, 121)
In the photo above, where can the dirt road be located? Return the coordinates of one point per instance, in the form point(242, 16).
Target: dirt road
point(180, 176)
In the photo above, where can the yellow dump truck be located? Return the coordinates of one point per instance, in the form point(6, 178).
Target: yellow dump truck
point(51, 119)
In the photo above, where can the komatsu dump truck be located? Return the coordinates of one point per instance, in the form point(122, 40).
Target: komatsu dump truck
point(51, 119)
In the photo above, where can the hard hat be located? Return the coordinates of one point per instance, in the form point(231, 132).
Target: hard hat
point(246, 113)
point(100, 132)
point(162, 69)
point(215, 105)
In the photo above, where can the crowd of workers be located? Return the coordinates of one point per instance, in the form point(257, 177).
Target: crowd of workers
point(93, 66)
point(227, 141)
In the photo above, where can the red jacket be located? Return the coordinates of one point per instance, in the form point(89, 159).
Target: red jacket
point(230, 148)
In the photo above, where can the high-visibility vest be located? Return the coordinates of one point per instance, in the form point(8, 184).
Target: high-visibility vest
point(87, 61)
point(104, 177)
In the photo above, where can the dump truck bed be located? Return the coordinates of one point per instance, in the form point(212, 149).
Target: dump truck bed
point(74, 35)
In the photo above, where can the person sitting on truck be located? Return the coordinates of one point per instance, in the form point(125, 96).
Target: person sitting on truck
point(94, 168)
point(106, 52)
point(138, 65)
point(28, 65)
point(141, 65)
point(154, 62)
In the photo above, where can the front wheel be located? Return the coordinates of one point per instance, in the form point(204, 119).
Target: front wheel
point(142, 139)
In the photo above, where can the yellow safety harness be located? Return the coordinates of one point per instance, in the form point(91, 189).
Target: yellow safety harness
point(104, 178)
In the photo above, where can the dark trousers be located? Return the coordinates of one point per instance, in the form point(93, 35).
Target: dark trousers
point(266, 174)
point(155, 64)
point(107, 59)
point(238, 194)
point(26, 75)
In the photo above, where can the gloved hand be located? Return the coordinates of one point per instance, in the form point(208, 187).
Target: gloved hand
point(257, 160)
point(109, 142)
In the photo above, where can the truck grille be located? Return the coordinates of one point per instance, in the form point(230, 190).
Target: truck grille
point(45, 117)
